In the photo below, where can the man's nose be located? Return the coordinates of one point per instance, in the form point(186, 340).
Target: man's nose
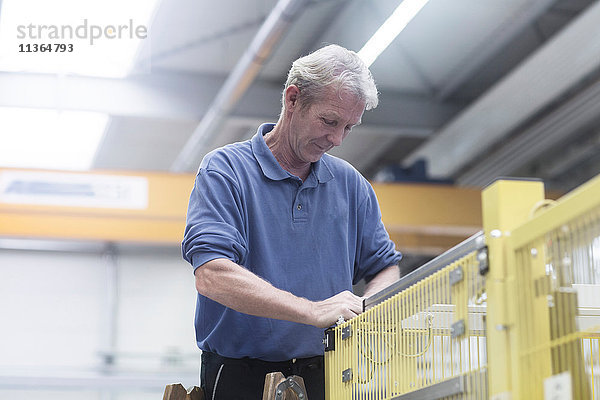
point(336, 137)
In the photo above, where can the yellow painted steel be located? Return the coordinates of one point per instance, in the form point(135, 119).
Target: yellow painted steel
point(528, 329)
point(425, 224)
point(447, 207)
point(162, 221)
point(506, 204)
point(413, 339)
point(556, 251)
point(432, 218)
point(590, 344)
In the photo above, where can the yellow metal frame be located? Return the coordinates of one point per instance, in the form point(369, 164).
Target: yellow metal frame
point(530, 343)
point(545, 251)
point(506, 204)
point(422, 336)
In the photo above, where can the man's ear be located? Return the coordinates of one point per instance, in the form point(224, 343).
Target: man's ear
point(291, 97)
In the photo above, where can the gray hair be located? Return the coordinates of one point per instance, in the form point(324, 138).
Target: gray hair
point(335, 66)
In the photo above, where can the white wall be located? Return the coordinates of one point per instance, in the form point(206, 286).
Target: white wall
point(56, 318)
point(50, 305)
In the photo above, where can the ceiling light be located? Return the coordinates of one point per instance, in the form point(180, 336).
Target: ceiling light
point(391, 28)
point(94, 38)
point(48, 139)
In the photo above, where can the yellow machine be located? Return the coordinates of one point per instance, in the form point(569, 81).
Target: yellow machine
point(511, 313)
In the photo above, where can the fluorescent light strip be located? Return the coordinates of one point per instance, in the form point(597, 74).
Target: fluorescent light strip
point(48, 139)
point(391, 28)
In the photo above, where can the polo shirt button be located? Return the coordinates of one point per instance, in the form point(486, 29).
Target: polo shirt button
point(299, 207)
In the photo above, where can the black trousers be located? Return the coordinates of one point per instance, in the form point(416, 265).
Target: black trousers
point(224, 378)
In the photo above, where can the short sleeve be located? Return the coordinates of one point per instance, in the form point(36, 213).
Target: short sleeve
point(215, 225)
point(376, 251)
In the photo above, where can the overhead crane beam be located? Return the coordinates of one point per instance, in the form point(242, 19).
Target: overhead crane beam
point(424, 219)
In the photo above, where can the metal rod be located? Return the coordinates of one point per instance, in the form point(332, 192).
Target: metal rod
point(475, 242)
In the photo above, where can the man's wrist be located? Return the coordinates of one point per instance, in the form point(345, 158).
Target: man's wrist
point(307, 311)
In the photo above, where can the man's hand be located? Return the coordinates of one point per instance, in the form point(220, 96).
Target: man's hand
point(326, 312)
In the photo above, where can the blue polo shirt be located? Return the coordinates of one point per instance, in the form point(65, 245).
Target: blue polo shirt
point(313, 238)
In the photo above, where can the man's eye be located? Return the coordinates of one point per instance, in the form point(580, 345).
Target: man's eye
point(329, 122)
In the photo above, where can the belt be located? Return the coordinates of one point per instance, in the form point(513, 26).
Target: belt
point(311, 362)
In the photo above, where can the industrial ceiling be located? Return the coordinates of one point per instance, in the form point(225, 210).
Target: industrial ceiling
point(476, 89)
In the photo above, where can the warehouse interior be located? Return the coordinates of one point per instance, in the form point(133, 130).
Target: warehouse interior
point(96, 300)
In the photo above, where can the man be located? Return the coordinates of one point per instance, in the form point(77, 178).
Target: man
point(278, 231)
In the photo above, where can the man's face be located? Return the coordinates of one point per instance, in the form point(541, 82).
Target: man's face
point(318, 128)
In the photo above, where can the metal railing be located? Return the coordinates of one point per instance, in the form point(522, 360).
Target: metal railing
point(424, 333)
point(510, 313)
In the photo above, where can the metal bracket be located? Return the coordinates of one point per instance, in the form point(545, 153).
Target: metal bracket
point(289, 383)
point(482, 259)
point(456, 275)
point(457, 329)
point(347, 375)
point(329, 340)
point(346, 332)
point(441, 390)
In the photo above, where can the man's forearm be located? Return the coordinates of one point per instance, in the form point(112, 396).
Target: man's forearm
point(383, 279)
point(235, 287)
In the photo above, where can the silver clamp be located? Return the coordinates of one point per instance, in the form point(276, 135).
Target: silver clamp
point(289, 383)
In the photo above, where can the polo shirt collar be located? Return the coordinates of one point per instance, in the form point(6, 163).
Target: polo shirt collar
point(322, 170)
point(271, 168)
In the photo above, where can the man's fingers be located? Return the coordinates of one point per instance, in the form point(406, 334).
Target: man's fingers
point(351, 305)
point(345, 304)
